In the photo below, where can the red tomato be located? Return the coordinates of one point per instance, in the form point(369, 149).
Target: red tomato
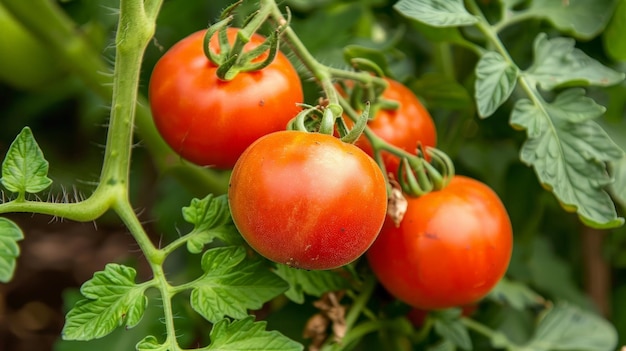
point(403, 127)
point(208, 121)
point(307, 200)
point(451, 248)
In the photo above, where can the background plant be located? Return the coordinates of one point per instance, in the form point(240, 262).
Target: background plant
point(522, 63)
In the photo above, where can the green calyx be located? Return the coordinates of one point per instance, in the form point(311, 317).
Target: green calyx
point(231, 59)
point(417, 176)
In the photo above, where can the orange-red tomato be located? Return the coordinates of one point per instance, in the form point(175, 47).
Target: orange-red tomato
point(451, 248)
point(210, 122)
point(403, 127)
point(307, 200)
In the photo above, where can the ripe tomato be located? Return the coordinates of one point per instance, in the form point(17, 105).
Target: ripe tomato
point(403, 127)
point(208, 121)
point(307, 200)
point(451, 248)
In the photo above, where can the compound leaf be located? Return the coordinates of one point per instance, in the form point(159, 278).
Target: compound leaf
point(584, 19)
point(569, 152)
point(557, 62)
point(10, 234)
point(495, 81)
point(231, 284)
point(247, 335)
point(112, 299)
point(565, 327)
point(211, 219)
point(25, 170)
point(313, 283)
point(436, 13)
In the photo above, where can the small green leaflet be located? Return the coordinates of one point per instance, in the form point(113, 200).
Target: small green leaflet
point(211, 219)
point(618, 189)
point(517, 295)
point(436, 13)
point(584, 19)
point(565, 327)
point(569, 152)
point(613, 36)
point(313, 283)
point(449, 327)
point(495, 81)
point(150, 343)
point(25, 170)
point(113, 300)
point(557, 62)
point(10, 234)
point(247, 335)
point(231, 284)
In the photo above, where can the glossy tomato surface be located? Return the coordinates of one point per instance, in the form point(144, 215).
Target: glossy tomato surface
point(451, 248)
point(403, 127)
point(307, 200)
point(208, 121)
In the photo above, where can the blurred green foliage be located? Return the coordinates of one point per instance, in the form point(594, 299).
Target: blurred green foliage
point(67, 120)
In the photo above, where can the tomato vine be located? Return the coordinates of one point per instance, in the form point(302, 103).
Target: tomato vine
point(233, 280)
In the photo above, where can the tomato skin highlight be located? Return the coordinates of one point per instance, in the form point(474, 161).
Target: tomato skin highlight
point(403, 127)
point(211, 122)
point(451, 248)
point(307, 200)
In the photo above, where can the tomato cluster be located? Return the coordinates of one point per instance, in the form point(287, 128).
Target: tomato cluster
point(311, 201)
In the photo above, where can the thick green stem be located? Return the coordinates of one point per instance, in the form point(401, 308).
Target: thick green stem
point(57, 31)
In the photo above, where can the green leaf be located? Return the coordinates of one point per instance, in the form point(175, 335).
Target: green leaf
point(10, 234)
point(440, 91)
point(436, 13)
point(113, 300)
point(569, 152)
point(313, 283)
point(25, 169)
point(150, 343)
point(583, 19)
point(613, 36)
point(211, 219)
point(247, 335)
point(557, 62)
point(449, 327)
point(495, 81)
point(618, 189)
point(565, 327)
point(231, 284)
point(517, 295)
